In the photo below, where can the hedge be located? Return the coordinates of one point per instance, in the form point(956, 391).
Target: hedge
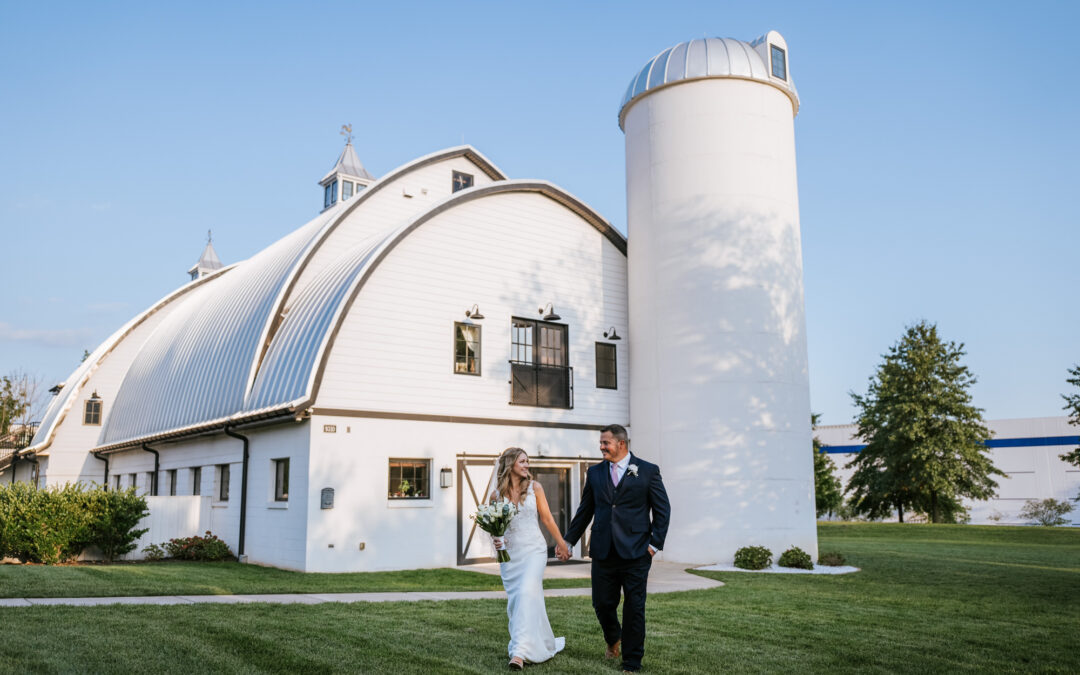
point(56, 524)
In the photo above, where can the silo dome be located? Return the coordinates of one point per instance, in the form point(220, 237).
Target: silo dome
point(716, 58)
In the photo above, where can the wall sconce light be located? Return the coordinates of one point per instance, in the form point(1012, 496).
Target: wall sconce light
point(549, 313)
point(611, 334)
point(446, 477)
point(474, 313)
point(94, 396)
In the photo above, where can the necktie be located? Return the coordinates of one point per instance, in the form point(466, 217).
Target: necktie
point(614, 474)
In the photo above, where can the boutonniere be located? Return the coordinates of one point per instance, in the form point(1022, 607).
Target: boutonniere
point(632, 469)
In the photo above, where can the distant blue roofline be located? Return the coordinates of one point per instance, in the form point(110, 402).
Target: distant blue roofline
point(1035, 442)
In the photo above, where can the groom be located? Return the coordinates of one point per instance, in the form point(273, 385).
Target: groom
point(624, 496)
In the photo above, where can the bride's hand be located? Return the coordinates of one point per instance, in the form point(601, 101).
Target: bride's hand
point(500, 543)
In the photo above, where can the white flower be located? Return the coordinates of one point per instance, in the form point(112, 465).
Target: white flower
point(632, 469)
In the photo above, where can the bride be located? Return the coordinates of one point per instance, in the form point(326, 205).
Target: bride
point(531, 638)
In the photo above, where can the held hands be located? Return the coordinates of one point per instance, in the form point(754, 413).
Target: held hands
point(500, 543)
point(562, 551)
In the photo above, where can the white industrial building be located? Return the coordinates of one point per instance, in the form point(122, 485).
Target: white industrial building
point(1028, 451)
point(335, 402)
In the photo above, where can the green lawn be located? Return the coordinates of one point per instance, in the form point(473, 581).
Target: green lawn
point(930, 598)
point(188, 578)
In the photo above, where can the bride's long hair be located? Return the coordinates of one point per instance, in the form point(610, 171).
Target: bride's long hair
point(503, 467)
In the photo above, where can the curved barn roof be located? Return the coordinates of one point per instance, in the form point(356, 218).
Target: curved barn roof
point(252, 344)
point(709, 58)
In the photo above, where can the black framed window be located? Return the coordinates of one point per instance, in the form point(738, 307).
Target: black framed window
point(116, 481)
point(409, 479)
point(196, 480)
point(466, 349)
point(461, 181)
point(539, 364)
point(281, 480)
point(172, 482)
point(131, 480)
point(92, 411)
point(223, 482)
point(151, 483)
point(779, 62)
point(606, 371)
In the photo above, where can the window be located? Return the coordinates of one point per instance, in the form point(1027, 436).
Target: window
point(606, 374)
point(346, 190)
point(116, 481)
point(409, 479)
point(326, 197)
point(466, 349)
point(461, 181)
point(172, 482)
point(779, 62)
point(196, 480)
point(333, 192)
point(539, 372)
point(151, 483)
point(131, 480)
point(223, 482)
point(281, 480)
point(92, 411)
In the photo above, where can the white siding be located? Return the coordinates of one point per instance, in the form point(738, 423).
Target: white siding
point(510, 254)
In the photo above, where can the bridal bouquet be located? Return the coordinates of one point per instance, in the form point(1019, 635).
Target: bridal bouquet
point(494, 518)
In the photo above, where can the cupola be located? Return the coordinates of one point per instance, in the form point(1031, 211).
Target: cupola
point(348, 177)
point(208, 261)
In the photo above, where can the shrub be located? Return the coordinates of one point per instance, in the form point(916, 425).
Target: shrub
point(797, 558)
point(208, 548)
point(115, 514)
point(153, 553)
point(831, 559)
point(753, 558)
point(1048, 512)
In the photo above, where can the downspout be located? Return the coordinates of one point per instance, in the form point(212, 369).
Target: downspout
point(154, 482)
point(243, 491)
point(104, 458)
point(14, 458)
point(32, 458)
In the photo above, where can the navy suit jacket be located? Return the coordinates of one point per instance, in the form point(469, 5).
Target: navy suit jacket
point(626, 518)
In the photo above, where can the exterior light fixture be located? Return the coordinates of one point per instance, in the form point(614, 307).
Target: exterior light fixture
point(611, 334)
point(94, 396)
point(474, 313)
point(446, 477)
point(549, 313)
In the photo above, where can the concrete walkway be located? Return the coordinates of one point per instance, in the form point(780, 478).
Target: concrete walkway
point(663, 578)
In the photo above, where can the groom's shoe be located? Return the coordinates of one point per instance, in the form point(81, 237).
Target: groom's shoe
point(612, 651)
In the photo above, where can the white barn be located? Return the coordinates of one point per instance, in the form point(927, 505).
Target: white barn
point(335, 402)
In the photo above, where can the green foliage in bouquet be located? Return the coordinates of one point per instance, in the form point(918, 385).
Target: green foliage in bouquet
point(753, 558)
point(797, 558)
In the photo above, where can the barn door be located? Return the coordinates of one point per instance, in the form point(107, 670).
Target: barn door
point(473, 545)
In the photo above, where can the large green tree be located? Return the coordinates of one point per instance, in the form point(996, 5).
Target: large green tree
point(12, 403)
point(1072, 405)
point(924, 439)
point(827, 487)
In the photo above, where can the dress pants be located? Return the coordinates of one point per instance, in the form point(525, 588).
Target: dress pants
point(611, 577)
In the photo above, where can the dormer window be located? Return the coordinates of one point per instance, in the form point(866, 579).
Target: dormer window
point(326, 197)
point(461, 181)
point(346, 189)
point(779, 62)
point(92, 410)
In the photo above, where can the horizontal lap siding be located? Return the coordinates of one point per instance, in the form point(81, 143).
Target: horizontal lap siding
point(510, 254)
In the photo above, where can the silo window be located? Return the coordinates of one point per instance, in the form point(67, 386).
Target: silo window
point(779, 62)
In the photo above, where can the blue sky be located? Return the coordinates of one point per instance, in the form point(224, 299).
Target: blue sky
point(936, 153)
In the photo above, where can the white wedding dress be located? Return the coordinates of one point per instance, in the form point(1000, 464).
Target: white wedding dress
point(523, 578)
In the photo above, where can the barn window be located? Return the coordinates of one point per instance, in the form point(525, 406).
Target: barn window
point(196, 480)
point(409, 479)
point(461, 181)
point(92, 410)
point(172, 482)
point(223, 482)
point(346, 190)
point(326, 197)
point(539, 371)
point(151, 483)
point(116, 481)
point(466, 349)
point(779, 62)
point(281, 480)
point(606, 374)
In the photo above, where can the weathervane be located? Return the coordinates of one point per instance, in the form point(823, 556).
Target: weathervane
point(346, 131)
point(209, 237)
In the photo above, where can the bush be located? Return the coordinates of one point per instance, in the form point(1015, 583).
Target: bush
point(208, 548)
point(797, 558)
point(55, 524)
point(153, 553)
point(753, 558)
point(831, 559)
point(1049, 512)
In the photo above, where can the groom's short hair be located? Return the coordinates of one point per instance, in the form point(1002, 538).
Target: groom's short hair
point(617, 431)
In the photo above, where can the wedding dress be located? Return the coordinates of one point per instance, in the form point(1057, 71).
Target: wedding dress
point(530, 633)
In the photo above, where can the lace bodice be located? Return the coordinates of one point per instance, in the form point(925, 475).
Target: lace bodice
point(524, 530)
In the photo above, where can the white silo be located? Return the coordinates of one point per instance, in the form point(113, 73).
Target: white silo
point(719, 391)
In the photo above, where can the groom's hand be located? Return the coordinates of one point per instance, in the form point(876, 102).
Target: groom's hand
point(562, 551)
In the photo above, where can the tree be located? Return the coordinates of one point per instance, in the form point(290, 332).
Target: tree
point(925, 441)
point(11, 404)
point(1048, 512)
point(21, 401)
point(1072, 405)
point(826, 484)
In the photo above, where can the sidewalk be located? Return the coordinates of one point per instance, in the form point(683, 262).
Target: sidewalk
point(663, 578)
